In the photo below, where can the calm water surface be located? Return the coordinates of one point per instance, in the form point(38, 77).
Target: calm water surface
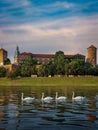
point(18, 115)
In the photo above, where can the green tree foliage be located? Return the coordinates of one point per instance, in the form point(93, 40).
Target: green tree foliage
point(13, 74)
point(59, 61)
point(28, 67)
point(51, 68)
point(29, 62)
point(25, 71)
point(88, 68)
point(66, 67)
point(43, 70)
point(77, 67)
point(96, 70)
point(7, 61)
point(2, 72)
point(60, 66)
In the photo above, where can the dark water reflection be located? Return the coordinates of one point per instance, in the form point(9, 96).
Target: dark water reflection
point(18, 115)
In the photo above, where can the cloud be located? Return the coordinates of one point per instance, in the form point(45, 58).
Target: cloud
point(72, 26)
point(26, 11)
point(48, 27)
point(71, 35)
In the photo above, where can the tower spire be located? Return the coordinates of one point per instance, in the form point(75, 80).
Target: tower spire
point(16, 57)
point(17, 52)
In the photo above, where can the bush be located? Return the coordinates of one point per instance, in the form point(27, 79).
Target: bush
point(2, 72)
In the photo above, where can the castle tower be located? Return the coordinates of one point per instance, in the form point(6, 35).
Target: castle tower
point(16, 57)
point(92, 54)
point(3, 56)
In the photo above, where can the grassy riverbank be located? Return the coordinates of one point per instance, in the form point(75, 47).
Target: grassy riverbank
point(51, 81)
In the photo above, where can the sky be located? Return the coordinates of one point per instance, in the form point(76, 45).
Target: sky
point(47, 26)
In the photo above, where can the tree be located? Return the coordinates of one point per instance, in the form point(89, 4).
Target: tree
point(2, 72)
point(66, 67)
point(88, 68)
point(43, 70)
point(51, 68)
point(77, 67)
point(59, 61)
point(7, 61)
point(29, 62)
point(96, 70)
point(25, 71)
point(28, 67)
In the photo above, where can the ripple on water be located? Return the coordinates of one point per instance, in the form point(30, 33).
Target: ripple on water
point(54, 116)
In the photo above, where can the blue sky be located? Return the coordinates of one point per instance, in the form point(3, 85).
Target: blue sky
point(47, 26)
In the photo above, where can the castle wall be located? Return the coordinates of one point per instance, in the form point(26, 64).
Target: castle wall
point(3, 56)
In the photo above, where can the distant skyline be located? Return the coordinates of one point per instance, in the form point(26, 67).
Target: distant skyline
point(47, 26)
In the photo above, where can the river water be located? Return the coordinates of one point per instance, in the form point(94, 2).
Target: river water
point(38, 115)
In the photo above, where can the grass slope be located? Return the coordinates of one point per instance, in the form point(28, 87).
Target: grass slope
point(51, 81)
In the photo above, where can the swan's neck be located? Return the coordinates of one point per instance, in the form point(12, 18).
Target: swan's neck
point(42, 96)
point(22, 96)
point(73, 95)
point(56, 95)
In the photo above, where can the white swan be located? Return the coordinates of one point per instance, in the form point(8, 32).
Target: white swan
point(27, 99)
point(77, 98)
point(46, 99)
point(96, 97)
point(60, 99)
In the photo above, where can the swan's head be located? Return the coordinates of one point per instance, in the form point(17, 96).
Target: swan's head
point(43, 94)
point(73, 92)
point(56, 95)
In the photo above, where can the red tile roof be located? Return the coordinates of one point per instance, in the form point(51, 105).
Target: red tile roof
point(79, 55)
point(1, 49)
point(48, 55)
point(44, 55)
point(70, 56)
point(92, 46)
point(26, 53)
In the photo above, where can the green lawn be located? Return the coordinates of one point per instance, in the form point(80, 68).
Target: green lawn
point(51, 81)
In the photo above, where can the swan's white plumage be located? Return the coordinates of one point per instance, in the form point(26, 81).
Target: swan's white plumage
point(46, 99)
point(77, 98)
point(61, 98)
point(27, 99)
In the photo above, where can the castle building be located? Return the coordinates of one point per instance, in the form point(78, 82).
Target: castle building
point(20, 58)
point(75, 57)
point(3, 56)
point(43, 58)
point(46, 58)
point(92, 55)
